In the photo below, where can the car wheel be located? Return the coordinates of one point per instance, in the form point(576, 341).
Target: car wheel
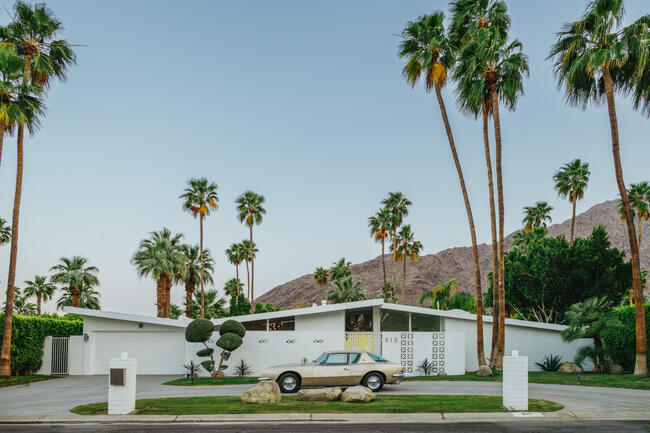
point(374, 381)
point(289, 383)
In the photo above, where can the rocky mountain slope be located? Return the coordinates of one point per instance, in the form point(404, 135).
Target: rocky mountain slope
point(456, 263)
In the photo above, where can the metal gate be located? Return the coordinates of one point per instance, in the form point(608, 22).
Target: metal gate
point(60, 355)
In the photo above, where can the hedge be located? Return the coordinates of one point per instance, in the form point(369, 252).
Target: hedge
point(28, 335)
point(621, 341)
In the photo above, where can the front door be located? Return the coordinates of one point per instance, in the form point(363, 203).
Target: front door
point(332, 370)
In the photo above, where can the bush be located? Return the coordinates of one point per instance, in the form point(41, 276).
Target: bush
point(550, 363)
point(620, 341)
point(207, 365)
point(232, 326)
point(242, 369)
point(28, 335)
point(229, 342)
point(205, 352)
point(199, 330)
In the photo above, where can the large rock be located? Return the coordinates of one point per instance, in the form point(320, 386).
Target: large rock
point(484, 371)
point(615, 369)
point(263, 392)
point(570, 368)
point(319, 394)
point(358, 394)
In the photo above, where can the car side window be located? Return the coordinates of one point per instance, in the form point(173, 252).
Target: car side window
point(355, 357)
point(337, 359)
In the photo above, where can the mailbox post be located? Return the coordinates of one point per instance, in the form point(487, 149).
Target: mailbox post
point(121, 385)
point(515, 381)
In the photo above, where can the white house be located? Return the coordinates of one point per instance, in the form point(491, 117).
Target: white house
point(397, 332)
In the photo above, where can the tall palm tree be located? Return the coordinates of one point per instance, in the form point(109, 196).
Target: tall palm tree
point(398, 206)
point(412, 252)
point(33, 32)
point(441, 295)
point(199, 198)
point(41, 289)
point(74, 273)
point(570, 182)
point(379, 225)
point(340, 269)
point(236, 254)
point(12, 86)
point(405, 238)
point(232, 287)
point(321, 277)
point(88, 299)
point(430, 54)
point(250, 210)
point(595, 57)
point(213, 305)
point(160, 257)
point(192, 270)
point(249, 252)
point(346, 290)
point(536, 216)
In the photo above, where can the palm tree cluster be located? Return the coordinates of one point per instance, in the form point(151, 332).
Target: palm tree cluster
point(346, 289)
point(32, 56)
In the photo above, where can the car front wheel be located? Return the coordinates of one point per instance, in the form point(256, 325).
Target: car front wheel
point(289, 382)
point(374, 381)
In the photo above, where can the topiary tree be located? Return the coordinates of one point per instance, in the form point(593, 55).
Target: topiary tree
point(199, 331)
point(231, 337)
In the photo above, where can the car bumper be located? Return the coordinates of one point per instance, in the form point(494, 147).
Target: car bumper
point(397, 378)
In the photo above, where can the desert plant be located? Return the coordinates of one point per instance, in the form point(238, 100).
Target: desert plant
point(192, 370)
point(426, 367)
point(550, 363)
point(243, 369)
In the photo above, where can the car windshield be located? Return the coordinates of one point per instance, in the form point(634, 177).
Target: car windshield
point(377, 358)
point(320, 358)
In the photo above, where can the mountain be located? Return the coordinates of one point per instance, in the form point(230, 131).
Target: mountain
point(457, 263)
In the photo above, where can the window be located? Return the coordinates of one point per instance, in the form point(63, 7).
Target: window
point(337, 359)
point(394, 321)
point(377, 358)
point(255, 325)
point(425, 323)
point(282, 324)
point(358, 320)
point(355, 357)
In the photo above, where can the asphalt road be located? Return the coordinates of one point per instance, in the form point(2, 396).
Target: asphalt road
point(488, 427)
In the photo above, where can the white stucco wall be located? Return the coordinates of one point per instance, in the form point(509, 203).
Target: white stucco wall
point(322, 322)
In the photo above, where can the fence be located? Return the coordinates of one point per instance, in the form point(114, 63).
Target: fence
point(60, 349)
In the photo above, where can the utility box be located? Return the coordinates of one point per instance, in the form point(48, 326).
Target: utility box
point(121, 385)
point(515, 382)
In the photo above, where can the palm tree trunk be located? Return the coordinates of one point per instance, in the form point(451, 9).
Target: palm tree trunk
point(252, 273)
point(39, 297)
point(404, 275)
point(189, 291)
point(201, 246)
point(383, 263)
point(501, 340)
point(168, 297)
point(160, 297)
point(2, 139)
point(640, 368)
point(495, 241)
point(640, 230)
point(573, 222)
point(480, 352)
point(248, 280)
point(237, 275)
point(5, 354)
point(394, 243)
point(74, 295)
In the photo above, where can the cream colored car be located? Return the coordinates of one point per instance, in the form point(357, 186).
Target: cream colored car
point(337, 368)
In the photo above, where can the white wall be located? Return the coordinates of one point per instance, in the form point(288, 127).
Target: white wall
point(446, 350)
point(333, 321)
point(46, 365)
point(75, 355)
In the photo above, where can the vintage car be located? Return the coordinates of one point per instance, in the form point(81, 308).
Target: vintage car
point(344, 368)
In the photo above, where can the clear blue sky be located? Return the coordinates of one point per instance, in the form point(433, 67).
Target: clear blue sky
point(303, 102)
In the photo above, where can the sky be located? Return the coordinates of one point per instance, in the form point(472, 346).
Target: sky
point(303, 102)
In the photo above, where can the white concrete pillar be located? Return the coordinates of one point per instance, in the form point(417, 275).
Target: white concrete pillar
point(46, 363)
point(121, 395)
point(515, 381)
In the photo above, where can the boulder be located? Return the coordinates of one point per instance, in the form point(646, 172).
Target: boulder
point(595, 370)
point(441, 373)
point(570, 368)
point(484, 371)
point(319, 394)
point(358, 394)
point(262, 392)
point(615, 369)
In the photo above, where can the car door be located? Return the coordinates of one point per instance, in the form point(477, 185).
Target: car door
point(332, 370)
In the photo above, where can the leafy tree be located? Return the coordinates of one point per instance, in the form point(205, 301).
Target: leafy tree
point(75, 274)
point(193, 264)
point(571, 181)
point(89, 298)
point(379, 225)
point(213, 305)
point(321, 277)
point(239, 305)
point(594, 58)
point(346, 290)
point(200, 198)
point(441, 295)
point(523, 240)
point(250, 210)
point(161, 257)
point(340, 270)
point(388, 293)
point(536, 216)
point(463, 301)
point(41, 289)
point(398, 206)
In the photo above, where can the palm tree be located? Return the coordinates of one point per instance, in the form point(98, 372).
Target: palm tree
point(199, 198)
point(398, 206)
point(75, 273)
point(232, 287)
point(346, 290)
point(249, 251)
point(379, 225)
point(22, 305)
point(430, 54)
point(321, 277)
point(12, 88)
point(571, 181)
point(536, 216)
point(595, 57)
point(160, 257)
point(250, 210)
point(5, 232)
point(32, 32)
point(213, 307)
point(405, 238)
point(192, 269)
point(88, 299)
point(40, 288)
point(441, 295)
point(340, 269)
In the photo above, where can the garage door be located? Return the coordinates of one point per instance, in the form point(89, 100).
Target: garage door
point(156, 352)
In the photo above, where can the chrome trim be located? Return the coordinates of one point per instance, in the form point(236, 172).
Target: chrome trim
point(263, 378)
point(398, 375)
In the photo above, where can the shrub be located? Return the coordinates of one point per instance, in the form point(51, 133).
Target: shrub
point(192, 369)
point(426, 367)
point(242, 369)
point(199, 331)
point(620, 341)
point(229, 342)
point(205, 352)
point(232, 326)
point(208, 365)
point(550, 363)
point(28, 335)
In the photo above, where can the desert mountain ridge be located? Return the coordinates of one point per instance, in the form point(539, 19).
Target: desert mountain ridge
point(432, 269)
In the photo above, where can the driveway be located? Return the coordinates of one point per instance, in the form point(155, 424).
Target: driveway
point(58, 396)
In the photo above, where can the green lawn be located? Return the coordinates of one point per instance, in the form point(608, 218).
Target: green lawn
point(384, 404)
point(202, 381)
point(588, 379)
point(19, 380)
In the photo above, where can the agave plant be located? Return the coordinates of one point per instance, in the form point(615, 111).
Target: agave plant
point(550, 363)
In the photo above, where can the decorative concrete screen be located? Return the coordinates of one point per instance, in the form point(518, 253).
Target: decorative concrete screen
point(445, 350)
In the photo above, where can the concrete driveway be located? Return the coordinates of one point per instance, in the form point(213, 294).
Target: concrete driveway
point(58, 396)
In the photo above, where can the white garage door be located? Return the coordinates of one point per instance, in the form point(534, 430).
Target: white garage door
point(156, 352)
